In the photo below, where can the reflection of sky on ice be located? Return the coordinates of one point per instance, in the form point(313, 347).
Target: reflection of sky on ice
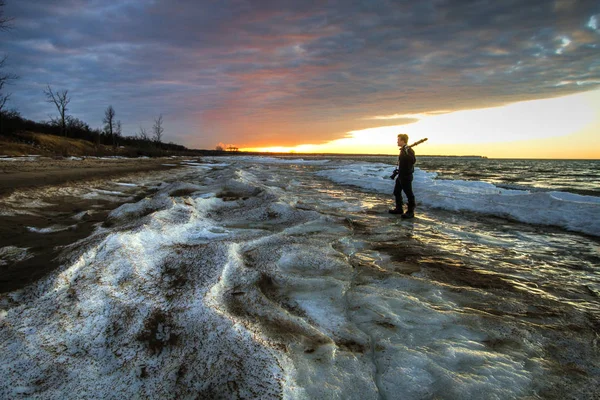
point(254, 279)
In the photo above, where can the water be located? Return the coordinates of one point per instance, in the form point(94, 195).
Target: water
point(267, 278)
point(525, 203)
point(575, 176)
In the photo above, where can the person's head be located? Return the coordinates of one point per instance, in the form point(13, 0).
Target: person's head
point(402, 139)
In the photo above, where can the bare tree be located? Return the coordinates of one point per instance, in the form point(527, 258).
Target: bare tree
point(118, 129)
point(3, 20)
point(109, 121)
point(158, 129)
point(4, 77)
point(117, 137)
point(60, 99)
point(143, 135)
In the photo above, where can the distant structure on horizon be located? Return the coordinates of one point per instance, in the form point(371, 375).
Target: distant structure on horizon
point(227, 147)
point(435, 155)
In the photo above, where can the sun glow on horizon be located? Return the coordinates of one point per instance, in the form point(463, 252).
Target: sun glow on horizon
point(528, 129)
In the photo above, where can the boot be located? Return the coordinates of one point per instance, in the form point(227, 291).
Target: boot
point(410, 212)
point(397, 210)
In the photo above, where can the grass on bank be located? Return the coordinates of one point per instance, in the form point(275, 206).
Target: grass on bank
point(32, 143)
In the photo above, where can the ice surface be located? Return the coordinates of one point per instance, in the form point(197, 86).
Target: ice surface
point(425, 348)
point(126, 184)
point(12, 254)
point(50, 229)
point(275, 160)
point(122, 311)
point(204, 165)
point(22, 158)
point(256, 280)
point(571, 211)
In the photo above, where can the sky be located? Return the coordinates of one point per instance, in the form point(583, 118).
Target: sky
point(505, 78)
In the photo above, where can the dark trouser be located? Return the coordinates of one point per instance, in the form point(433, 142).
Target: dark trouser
point(404, 184)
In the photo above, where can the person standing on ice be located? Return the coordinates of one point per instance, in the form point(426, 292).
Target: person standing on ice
point(404, 178)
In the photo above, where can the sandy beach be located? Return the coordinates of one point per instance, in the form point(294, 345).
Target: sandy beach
point(25, 180)
point(28, 172)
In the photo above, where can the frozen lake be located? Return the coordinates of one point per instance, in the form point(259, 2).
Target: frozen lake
point(245, 277)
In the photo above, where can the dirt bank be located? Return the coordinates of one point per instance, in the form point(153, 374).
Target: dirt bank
point(29, 172)
point(33, 180)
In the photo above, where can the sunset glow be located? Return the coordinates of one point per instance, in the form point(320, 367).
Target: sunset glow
point(477, 78)
point(564, 127)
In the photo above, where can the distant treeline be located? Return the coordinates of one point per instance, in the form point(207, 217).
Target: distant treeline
point(12, 122)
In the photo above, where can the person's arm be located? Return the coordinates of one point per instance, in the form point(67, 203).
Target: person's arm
point(411, 155)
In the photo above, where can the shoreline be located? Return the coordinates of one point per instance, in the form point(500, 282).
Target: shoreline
point(44, 178)
point(28, 172)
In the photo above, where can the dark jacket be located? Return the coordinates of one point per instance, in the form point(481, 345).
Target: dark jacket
point(406, 162)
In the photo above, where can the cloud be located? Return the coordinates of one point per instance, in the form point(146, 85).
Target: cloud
point(285, 73)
